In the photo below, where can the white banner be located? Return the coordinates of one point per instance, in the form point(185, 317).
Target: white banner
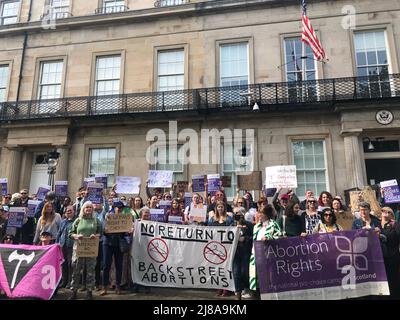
point(171, 255)
point(160, 178)
point(128, 185)
point(280, 177)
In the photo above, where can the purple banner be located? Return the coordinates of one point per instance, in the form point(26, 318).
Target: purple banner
point(198, 183)
point(42, 191)
point(213, 182)
point(16, 217)
point(3, 182)
point(61, 188)
point(392, 194)
point(328, 266)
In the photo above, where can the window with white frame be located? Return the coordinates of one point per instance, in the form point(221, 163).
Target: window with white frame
point(108, 74)
point(310, 160)
point(50, 79)
point(171, 70)
point(102, 161)
point(234, 64)
point(235, 159)
point(4, 71)
point(60, 9)
point(9, 12)
point(372, 61)
point(164, 156)
point(299, 69)
point(111, 6)
point(166, 3)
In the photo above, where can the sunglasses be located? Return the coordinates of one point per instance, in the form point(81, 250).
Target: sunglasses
point(241, 202)
point(8, 239)
point(327, 214)
point(312, 201)
point(23, 193)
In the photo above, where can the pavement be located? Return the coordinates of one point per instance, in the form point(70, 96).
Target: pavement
point(153, 294)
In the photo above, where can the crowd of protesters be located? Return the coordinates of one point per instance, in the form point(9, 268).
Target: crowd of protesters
point(64, 221)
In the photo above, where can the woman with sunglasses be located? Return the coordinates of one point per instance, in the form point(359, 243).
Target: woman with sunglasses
point(310, 217)
point(390, 241)
point(328, 222)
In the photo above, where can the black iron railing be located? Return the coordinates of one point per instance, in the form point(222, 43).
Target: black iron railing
point(111, 9)
point(207, 99)
point(169, 3)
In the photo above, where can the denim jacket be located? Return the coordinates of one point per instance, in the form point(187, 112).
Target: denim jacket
point(62, 238)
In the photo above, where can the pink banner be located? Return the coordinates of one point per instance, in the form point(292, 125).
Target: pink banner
point(30, 271)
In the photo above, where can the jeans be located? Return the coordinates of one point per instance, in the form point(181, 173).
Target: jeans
point(240, 269)
point(109, 252)
point(67, 266)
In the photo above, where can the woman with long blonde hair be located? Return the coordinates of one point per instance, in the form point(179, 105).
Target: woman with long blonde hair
point(49, 221)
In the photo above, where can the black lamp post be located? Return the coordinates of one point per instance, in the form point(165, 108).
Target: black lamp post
point(52, 161)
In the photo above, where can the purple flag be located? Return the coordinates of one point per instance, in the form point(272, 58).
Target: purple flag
point(329, 266)
point(30, 271)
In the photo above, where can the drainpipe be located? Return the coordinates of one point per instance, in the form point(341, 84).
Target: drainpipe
point(23, 52)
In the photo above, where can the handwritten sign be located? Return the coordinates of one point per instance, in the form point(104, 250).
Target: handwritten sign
point(32, 205)
point(61, 188)
point(250, 180)
point(281, 177)
point(116, 223)
point(160, 178)
point(128, 185)
point(198, 183)
point(213, 182)
point(16, 217)
point(198, 214)
point(87, 248)
point(42, 191)
point(95, 192)
point(4, 182)
point(157, 215)
point(368, 195)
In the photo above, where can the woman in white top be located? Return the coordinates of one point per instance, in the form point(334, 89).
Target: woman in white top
point(49, 221)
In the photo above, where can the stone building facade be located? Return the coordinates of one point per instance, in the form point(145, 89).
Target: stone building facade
point(92, 78)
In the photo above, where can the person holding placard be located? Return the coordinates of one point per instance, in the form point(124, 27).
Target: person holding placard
point(136, 204)
point(366, 220)
point(175, 211)
point(219, 196)
point(291, 223)
point(85, 226)
point(343, 218)
point(49, 221)
point(154, 202)
point(196, 203)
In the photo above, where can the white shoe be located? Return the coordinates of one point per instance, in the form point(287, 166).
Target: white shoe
point(247, 295)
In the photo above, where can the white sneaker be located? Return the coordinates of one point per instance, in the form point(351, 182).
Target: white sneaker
point(247, 295)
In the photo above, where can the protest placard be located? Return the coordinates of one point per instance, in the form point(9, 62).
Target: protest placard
point(160, 178)
point(182, 186)
point(101, 178)
point(269, 192)
point(95, 192)
point(128, 185)
point(165, 205)
point(42, 191)
point(195, 256)
point(188, 199)
point(87, 180)
point(16, 217)
point(281, 177)
point(369, 195)
point(116, 223)
point(32, 205)
point(175, 219)
point(4, 182)
point(87, 248)
point(198, 183)
point(250, 180)
point(391, 191)
point(157, 215)
point(226, 181)
point(198, 214)
point(322, 267)
point(213, 181)
point(61, 188)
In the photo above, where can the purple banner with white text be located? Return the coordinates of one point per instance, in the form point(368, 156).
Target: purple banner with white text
point(328, 266)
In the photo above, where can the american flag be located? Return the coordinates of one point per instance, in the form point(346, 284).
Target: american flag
point(309, 37)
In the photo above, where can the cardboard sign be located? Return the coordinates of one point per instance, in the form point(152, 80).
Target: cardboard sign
point(281, 177)
point(368, 195)
point(226, 181)
point(250, 180)
point(182, 186)
point(87, 248)
point(61, 188)
point(116, 223)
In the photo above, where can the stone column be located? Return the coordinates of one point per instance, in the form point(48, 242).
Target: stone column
point(354, 160)
point(63, 162)
point(13, 168)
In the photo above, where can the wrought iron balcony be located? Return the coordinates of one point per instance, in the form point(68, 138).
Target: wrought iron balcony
point(169, 3)
point(293, 94)
point(56, 15)
point(111, 9)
